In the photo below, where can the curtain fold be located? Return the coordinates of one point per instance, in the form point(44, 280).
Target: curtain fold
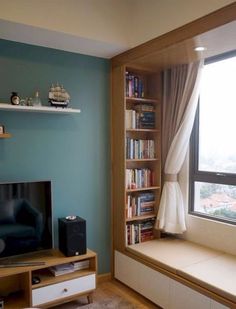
point(181, 86)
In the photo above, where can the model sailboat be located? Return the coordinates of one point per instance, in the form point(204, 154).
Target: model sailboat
point(58, 96)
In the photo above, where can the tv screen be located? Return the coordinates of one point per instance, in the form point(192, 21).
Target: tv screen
point(25, 217)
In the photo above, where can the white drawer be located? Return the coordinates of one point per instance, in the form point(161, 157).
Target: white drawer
point(63, 289)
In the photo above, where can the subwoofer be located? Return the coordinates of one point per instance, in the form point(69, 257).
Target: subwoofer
point(72, 235)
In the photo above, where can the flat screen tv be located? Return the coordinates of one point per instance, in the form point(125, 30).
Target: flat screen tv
point(25, 218)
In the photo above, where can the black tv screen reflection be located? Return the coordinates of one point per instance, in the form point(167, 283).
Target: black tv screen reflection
point(25, 218)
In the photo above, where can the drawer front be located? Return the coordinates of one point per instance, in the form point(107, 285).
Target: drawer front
point(63, 289)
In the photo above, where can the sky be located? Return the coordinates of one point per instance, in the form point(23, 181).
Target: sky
point(218, 111)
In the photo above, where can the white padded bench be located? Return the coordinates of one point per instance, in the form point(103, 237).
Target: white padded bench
point(212, 272)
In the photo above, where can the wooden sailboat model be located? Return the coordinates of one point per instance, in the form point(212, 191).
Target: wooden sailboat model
point(58, 96)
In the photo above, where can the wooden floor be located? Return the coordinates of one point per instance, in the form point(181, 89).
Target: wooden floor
point(115, 288)
point(110, 289)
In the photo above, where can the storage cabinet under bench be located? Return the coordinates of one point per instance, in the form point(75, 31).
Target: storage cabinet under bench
point(178, 274)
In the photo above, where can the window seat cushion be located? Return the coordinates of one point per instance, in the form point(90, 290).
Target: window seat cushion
point(211, 269)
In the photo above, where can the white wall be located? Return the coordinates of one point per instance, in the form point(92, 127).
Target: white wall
point(97, 27)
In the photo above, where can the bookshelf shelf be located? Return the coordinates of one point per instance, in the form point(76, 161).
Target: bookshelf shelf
point(138, 218)
point(143, 189)
point(40, 109)
point(143, 100)
point(142, 130)
point(141, 160)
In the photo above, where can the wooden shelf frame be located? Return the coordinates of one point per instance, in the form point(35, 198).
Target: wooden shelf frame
point(141, 100)
point(120, 103)
point(141, 218)
point(143, 189)
point(141, 160)
point(5, 135)
point(38, 109)
point(143, 130)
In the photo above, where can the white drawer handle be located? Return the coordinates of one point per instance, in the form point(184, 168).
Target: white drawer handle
point(65, 290)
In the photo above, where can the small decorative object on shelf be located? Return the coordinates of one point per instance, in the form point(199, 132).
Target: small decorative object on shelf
point(2, 129)
point(15, 99)
point(58, 96)
point(36, 101)
point(29, 102)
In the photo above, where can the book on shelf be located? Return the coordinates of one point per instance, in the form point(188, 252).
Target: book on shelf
point(140, 149)
point(139, 178)
point(130, 119)
point(139, 120)
point(81, 265)
point(62, 269)
point(140, 204)
point(134, 86)
point(66, 268)
point(144, 107)
point(146, 120)
point(139, 231)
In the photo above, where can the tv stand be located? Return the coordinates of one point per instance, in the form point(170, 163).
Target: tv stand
point(16, 286)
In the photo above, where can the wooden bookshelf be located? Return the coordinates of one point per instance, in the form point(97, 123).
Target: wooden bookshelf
point(123, 158)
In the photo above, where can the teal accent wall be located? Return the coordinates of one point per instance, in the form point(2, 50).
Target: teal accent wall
point(70, 150)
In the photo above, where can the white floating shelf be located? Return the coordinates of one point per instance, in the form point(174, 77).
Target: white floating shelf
point(38, 109)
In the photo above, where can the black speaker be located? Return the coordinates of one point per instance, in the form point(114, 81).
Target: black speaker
point(72, 236)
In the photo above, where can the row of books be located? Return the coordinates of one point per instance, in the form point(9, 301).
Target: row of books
point(139, 178)
point(144, 107)
point(134, 86)
point(139, 149)
point(66, 268)
point(139, 120)
point(141, 204)
point(139, 232)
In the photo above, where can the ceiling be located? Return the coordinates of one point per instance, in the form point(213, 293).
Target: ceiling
point(217, 41)
point(102, 28)
point(38, 36)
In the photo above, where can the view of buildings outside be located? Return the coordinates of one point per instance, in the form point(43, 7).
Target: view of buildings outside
point(217, 140)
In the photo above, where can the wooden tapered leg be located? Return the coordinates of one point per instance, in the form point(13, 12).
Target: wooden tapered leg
point(90, 298)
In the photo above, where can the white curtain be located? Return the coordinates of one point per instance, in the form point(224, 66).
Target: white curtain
point(184, 97)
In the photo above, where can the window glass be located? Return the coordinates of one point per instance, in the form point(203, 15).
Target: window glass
point(213, 143)
point(217, 117)
point(215, 200)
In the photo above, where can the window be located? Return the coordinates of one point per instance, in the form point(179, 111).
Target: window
point(213, 143)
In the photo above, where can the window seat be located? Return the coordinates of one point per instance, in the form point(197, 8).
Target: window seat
point(210, 269)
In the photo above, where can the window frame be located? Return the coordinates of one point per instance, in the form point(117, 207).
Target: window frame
point(196, 175)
